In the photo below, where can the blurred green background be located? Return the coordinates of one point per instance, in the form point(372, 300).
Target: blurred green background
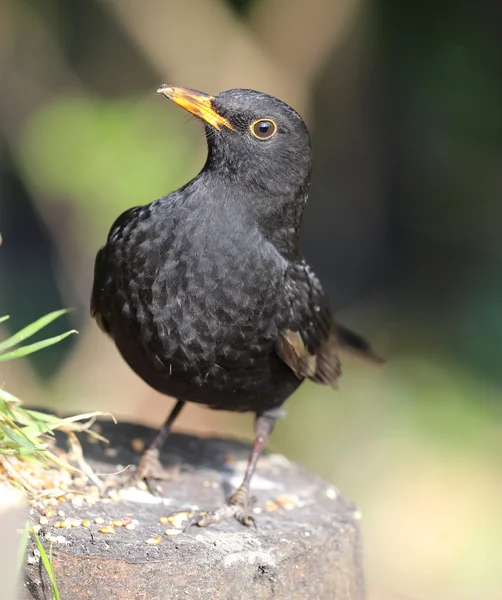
point(404, 225)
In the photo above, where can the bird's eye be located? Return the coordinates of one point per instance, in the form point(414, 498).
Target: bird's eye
point(263, 129)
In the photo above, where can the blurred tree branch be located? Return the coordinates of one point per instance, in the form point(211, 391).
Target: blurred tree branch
point(301, 34)
point(202, 44)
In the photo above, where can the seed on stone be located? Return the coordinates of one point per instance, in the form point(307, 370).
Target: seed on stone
point(331, 493)
point(107, 529)
point(86, 523)
point(43, 520)
point(76, 522)
point(154, 541)
point(130, 526)
point(137, 445)
point(99, 520)
point(270, 506)
point(164, 520)
point(177, 520)
point(173, 531)
point(80, 482)
point(49, 513)
point(287, 501)
point(61, 513)
point(117, 523)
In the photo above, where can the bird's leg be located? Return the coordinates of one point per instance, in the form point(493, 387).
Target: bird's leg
point(237, 505)
point(149, 465)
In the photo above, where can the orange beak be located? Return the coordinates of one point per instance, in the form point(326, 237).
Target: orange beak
point(196, 103)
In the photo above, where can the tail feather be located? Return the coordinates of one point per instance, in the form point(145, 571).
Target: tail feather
point(353, 342)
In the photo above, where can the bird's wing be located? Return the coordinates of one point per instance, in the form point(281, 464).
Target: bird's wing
point(101, 270)
point(307, 341)
point(309, 344)
point(97, 286)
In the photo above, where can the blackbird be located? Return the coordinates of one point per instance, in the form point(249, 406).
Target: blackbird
point(205, 292)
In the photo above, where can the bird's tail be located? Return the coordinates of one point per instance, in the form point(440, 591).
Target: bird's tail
point(354, 343)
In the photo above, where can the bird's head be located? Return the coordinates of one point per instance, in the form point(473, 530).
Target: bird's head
point(253, 138)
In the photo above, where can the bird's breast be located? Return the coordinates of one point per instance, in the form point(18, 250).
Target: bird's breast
point(197, 298)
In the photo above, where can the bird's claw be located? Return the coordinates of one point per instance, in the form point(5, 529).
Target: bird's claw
point(149, 469)
point(225, 512)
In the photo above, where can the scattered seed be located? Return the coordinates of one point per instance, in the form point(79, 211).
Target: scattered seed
point(130, 526)
point(99, 520)
point(177, 520)
point(331, 493)
point(49, 513)
point(137, 445)
point(164, 520)
point(154, 541)
point(287, 501)
point(66, 524)
point(80, 482)
point(86, 523)
point(76, 522)
point(117, 523)
point(57, 524)
point(257, 510)
point(107, 529)
point(52, 502)
point(61, 499)
point(43, 520)
point(126, 521)
point(173, 531)
point(199, 537)
point(61, 513)
point(142, 485)
point(270, 506)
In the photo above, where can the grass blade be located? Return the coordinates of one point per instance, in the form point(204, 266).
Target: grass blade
point(25, 350)
point(31, 329)
point(47, 564)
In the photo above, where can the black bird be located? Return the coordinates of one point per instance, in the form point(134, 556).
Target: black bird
point(205, 291)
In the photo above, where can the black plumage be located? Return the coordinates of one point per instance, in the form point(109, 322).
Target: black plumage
point(205, 292)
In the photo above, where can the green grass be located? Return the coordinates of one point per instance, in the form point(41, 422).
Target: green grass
point(47, 562)
point(27, 436)
point(27, 439)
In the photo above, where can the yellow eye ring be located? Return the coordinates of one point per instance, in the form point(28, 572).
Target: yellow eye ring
point(263, 129)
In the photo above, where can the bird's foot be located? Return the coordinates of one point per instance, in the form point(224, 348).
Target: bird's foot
point(235, 508)
point(149, 469)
